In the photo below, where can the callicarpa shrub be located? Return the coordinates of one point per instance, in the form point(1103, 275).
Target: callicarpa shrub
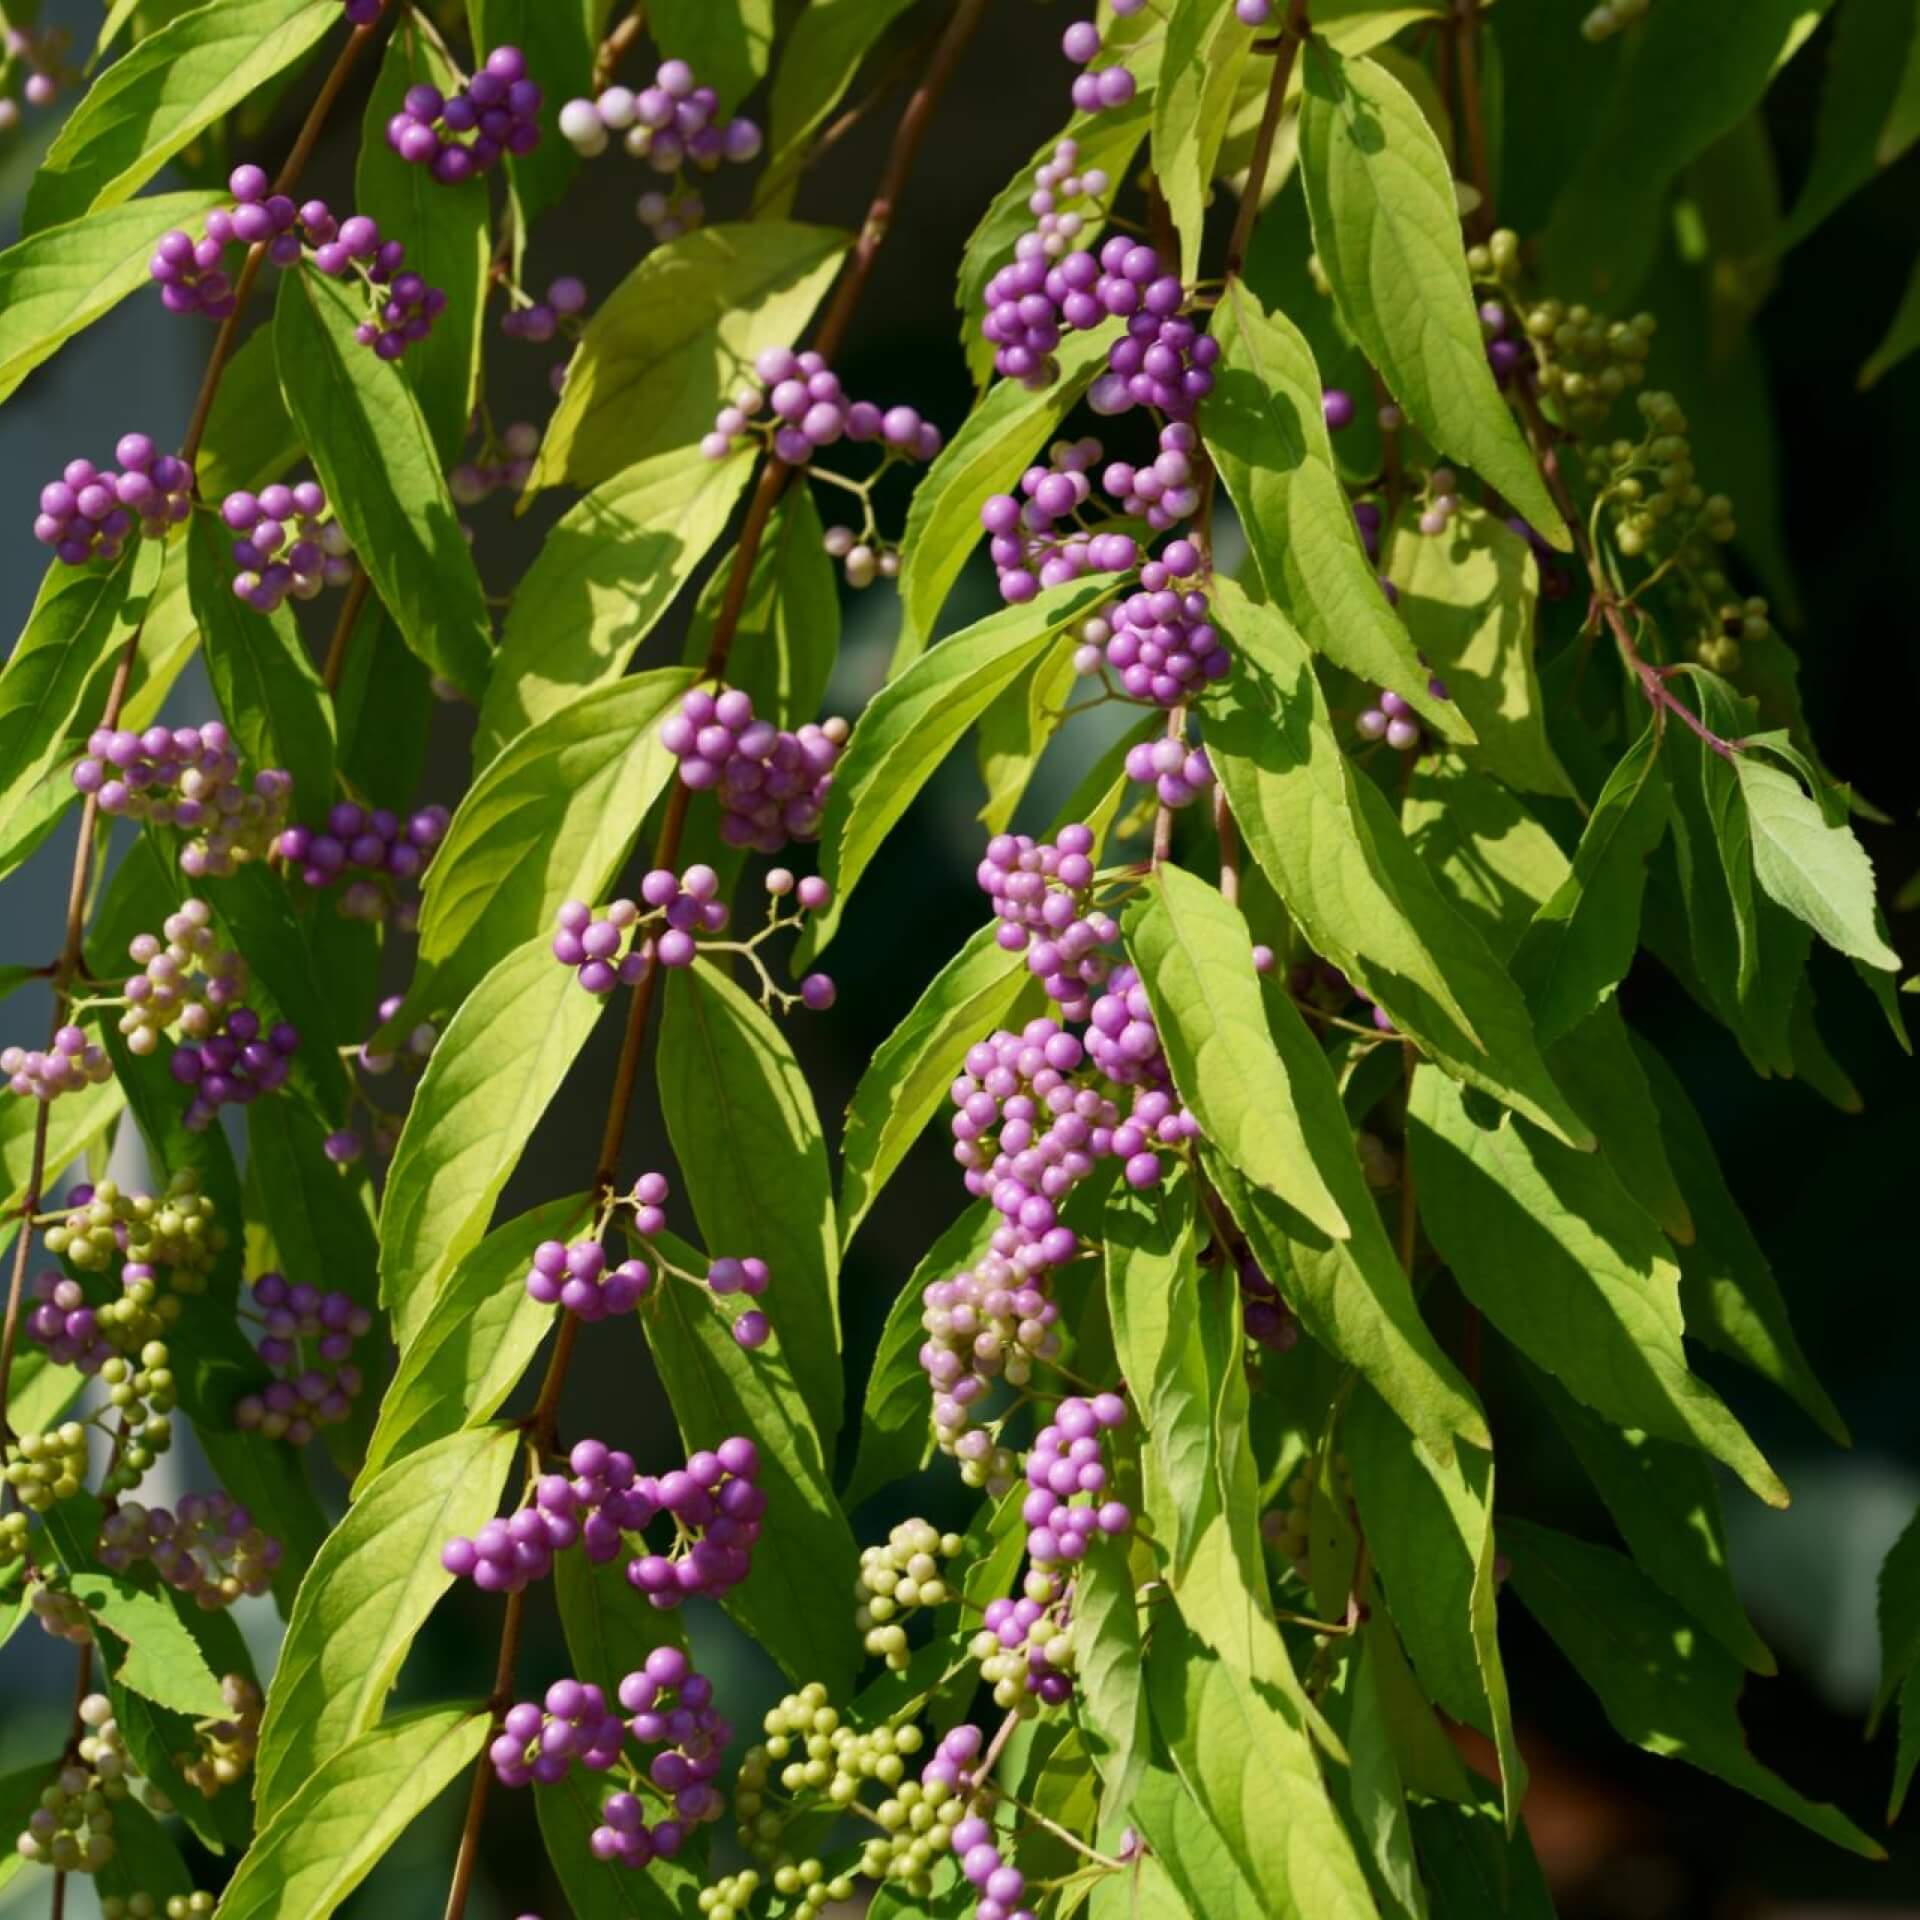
point(1381, 575)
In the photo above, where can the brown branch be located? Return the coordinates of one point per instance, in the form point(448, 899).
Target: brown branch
point(613, 49)
point(336, 662)
point(773, 482)
point(1293, 38)
point(1466, 47)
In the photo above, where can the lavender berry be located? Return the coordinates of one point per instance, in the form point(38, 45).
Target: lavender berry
point(466, 133)
point(772, 784)
point(289, 544)
point(89, 512)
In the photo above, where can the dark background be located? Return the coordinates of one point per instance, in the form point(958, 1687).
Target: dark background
point(1624, 1836)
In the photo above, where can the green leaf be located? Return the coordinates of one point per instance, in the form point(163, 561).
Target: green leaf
point(1687, 79)
point(144, 1859)
point(1899, 1616)
point(908, 1080)
point(1158, 1303)
point(1386, 227)
point(559, 39)
point(72, 1122)
point(375, 456)
point(81, 622)
point(162, 95)
point(1469, 598)
point(161, 1661)
point(895, 1422)
point(597, 1889)
point(499, 1062)
point(609, 569)
point(728, 43)
point(794, 1603)
point(668, 345)
point(1859, 129)
point(154, 1736)
point(367, 1594)
point(251, 439)
point(994, 446)
point(1016, 731)
point(1205, 1882)
point(1195, 957)
point(1263, 425)
point(1900, 339)
point(477, 1340)
point(1242, 1752)
point(1728, 1290)
point(916, 720)
point(1583, 939)
point(609, 1628)
point(754, 1161)
point(445, 230)
point(551, 819)
point(1566, 1263)
point(1815, 869)
point(1665, 1686)
point(383, 706)
point(268, 690)
point(1473, 1867)
point(1110, 1683)
point(327, 1835)
point(1339, 861)
point(1666, 1503)
point(1371, 1794)
point(1430, 1527)
point(1199, 74)
point(787, 638)
point(818, 61)
point(56, 283)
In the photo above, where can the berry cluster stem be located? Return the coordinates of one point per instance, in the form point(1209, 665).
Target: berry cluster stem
point(68, 965)
point(774, 476)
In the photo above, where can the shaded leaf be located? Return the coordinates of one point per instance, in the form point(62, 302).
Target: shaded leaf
point(1207, 46)
point(728, 43)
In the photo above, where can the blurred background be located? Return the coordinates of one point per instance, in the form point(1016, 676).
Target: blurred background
point(1623, 1836)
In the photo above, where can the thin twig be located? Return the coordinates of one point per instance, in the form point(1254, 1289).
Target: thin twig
point(336, 663)
point(1292, 40)
point(1466, 36)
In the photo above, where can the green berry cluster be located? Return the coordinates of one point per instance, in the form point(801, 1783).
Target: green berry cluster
point(226, 1746)
point(919, 1820)
point(188, 978)
point(175, 1230)
point(60, 1614)
point(896, 1580)
point(1286, 1529)
point(43, 1468)
point(71, 1830)
point(143, 1906)
point(1587, 361)
point(143, 1395)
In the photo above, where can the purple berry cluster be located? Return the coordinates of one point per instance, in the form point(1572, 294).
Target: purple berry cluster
point(208, 1548)
point(591, 944)
point(288, 544)
point(503, 465)
point(193, 279)
point(187, 777)
point(457, 136)
point(670, 125)
point(372, 849)
point(233, 1066)
point(1028, 548)
point(1389, 719)
point(89, 511)
point(65, 1325)
point(44, 55)
point(1177, 773)
point(299, 1322)
point(539, 320)
point(1267, 1319)
point(1159, 639)
point(1096, 92)
point(1042, 894)
point(70, 1063)
point(1017, 1648)
point(772, 784)
point(578, 1278)
point(810, 410)
point(1065, 1462)
point(672, 1709)
point(999, 1887)
point(1163, 491)
point(189, 981)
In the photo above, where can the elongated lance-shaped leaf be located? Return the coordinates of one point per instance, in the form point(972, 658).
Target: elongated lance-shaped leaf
point(729, 43)
point(476, 1342)
point(251, 439)
point(1665, 1686)
point(367, 1594)
point(444, 226)
point(611, 566)
point(329, 1834)
point(1468, 1857)
point(1386, 228)
point(162, 95)
point(1207, 46)
point(370, 444)
point(1583, 938)
point(57, 282)
point(559, 39)
point(914, 722)
point(1110, 1680)
point(1567, 1265)
point(895, 1419)
point(608, 1635)
point(1901, 338)
point(1195, 959)
point(499, 1062)
point(1264, 427)
point(1899, 1616)
point(552, 819)
point(909, 1077)
point(805, 1563)
point(1430, 1529)
point(1371, 1795)
point(1344, 870)
point(1202, 1879)
point(994, 446)
point(667, 346)
point(754, 1160)
point(1666, 1503)
point(144, 1859)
